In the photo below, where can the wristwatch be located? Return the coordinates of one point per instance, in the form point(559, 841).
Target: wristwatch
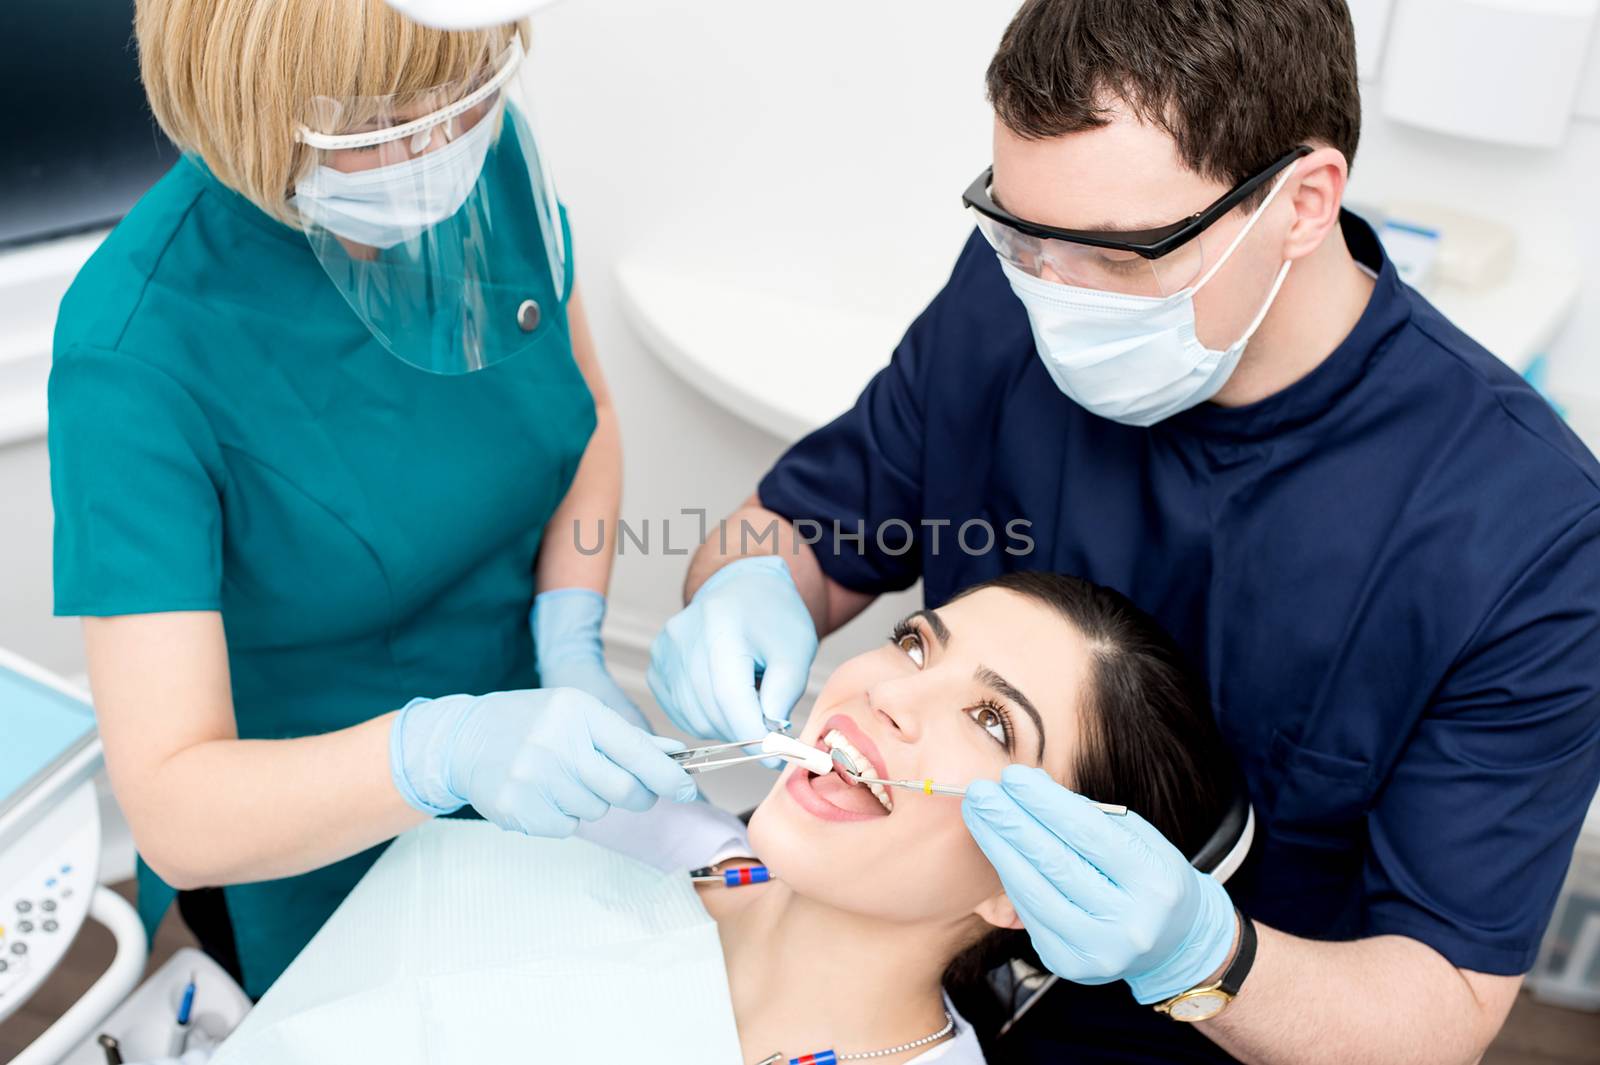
point(1205, 1002)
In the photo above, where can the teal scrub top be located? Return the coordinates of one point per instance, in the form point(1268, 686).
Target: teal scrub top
point(226, 434)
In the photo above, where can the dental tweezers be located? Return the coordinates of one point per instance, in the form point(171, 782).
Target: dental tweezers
point(772, 745)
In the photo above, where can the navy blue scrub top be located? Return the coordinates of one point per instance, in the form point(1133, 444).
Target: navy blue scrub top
point(1389, 574)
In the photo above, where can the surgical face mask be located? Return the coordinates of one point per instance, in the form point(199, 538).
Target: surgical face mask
point(388, 204)
point(1133, 359)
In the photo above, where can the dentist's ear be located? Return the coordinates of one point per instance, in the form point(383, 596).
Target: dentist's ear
point(998, 911)
point(1315, 191)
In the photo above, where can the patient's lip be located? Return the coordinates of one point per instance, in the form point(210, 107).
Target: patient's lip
point(799, 785)
point(858, 739)
point(805, 796)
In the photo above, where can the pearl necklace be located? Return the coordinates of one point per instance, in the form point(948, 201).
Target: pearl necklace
point(829, 1057)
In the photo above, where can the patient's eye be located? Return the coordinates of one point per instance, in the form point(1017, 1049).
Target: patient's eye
point(992, 718)
point(906, 637)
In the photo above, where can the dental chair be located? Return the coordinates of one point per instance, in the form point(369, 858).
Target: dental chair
point(1025, 1009)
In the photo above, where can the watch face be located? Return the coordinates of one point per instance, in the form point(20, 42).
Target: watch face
point(1199, 1006)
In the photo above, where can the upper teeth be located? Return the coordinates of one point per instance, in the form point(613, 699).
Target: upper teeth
point(837, 742)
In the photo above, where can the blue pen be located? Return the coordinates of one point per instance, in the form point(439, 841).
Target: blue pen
point(180, 1031)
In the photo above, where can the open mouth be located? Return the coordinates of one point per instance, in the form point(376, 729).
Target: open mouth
point(834, 740)
point(834, 797)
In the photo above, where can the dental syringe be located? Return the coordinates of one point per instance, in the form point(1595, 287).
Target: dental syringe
point(846, 768)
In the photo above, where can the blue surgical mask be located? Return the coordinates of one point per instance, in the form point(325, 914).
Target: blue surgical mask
point(1133, 359)
point(388, 204)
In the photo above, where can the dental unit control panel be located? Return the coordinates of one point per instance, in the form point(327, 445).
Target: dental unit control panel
point(49, 825)
point(43, 907)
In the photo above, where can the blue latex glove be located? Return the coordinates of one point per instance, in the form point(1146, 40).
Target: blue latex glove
point(566, 643)
point(747, 620)
point(536, 761)
point(1103, 898)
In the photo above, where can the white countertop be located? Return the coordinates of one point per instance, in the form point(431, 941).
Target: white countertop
point(781, 364)
point(32, 281)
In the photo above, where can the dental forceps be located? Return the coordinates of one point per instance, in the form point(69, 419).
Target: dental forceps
point(847, 769)
point(773, 745)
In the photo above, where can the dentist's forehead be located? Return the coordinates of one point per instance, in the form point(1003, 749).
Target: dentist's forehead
point(1125, 175)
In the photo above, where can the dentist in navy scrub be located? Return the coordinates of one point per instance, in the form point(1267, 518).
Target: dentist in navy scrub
point(1200, 381)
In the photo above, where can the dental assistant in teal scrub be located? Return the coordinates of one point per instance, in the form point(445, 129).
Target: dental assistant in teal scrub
point(325, 417)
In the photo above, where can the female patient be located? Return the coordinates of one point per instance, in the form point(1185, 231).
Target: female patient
point(1045, 670)
point(1038, 669)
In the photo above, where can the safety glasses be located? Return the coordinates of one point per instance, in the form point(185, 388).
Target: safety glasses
point(451, 109)
point(1148, 262)
point(435, 216)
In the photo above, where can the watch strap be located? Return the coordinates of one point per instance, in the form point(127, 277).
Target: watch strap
point(1243, 958)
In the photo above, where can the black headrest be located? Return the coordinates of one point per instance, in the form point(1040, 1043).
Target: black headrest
point(1222, 841)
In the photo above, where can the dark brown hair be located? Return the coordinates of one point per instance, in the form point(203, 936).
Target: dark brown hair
point(1237, 83)
point(1147, 738)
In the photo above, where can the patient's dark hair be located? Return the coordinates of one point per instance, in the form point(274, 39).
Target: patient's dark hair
point(1147, 740)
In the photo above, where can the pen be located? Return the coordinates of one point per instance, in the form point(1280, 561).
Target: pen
point(180, 1030)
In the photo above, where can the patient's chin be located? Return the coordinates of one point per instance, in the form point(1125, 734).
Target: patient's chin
point(781, 839)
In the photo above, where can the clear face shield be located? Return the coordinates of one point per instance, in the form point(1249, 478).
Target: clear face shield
point(435, 216)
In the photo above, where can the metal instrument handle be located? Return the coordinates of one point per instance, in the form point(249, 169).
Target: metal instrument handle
point(721, 763)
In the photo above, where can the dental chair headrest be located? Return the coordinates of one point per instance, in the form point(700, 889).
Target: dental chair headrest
point(1225, 851)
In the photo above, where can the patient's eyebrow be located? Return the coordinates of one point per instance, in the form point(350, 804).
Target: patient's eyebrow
point(1012, 694)
point(989, 679)
point(941, 631)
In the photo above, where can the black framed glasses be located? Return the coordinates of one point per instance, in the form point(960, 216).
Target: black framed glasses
point(1145, 243)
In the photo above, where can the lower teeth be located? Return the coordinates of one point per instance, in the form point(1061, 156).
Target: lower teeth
point(852, 762)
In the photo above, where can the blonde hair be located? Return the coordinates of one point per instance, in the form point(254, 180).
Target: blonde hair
point(230, 80)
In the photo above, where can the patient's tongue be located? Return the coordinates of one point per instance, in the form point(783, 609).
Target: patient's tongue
point(855, 798)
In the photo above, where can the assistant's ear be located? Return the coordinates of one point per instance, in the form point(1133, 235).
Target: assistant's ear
point(998, 911)
point(1315, 192)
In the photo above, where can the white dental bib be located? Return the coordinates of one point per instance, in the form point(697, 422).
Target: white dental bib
point(465, 943)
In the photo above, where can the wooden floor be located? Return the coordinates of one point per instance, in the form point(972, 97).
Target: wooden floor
point(1536, 1034)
